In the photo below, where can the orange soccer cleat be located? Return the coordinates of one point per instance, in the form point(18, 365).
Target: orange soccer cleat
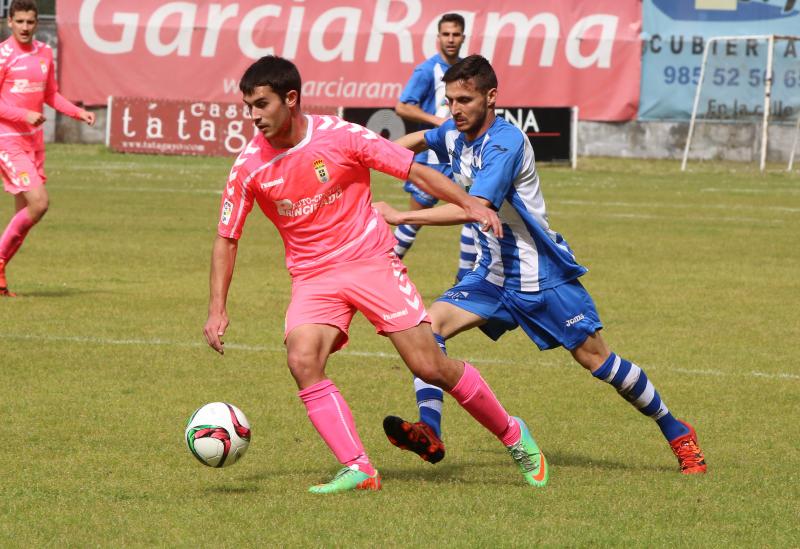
point(4, 291)
point(690, 456)
point(415, 437)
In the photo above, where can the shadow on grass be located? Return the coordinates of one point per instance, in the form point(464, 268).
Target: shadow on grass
point(58, 292)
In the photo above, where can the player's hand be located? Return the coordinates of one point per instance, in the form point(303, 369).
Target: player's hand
point(390, 215)
point(87, 117)
point(487, 217)
point(214, 329)
point(35, 118)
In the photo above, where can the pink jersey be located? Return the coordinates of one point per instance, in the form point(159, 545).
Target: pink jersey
point(27, 81)
point(317, 193)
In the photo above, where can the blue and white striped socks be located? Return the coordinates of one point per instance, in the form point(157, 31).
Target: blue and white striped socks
point(405, 235)
point(431, 398)
point(632, 384)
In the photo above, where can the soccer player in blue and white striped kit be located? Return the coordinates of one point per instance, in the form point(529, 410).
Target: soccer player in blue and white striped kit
point(529, 277)
point(423, 101)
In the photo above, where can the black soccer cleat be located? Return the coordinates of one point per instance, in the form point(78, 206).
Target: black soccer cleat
point(415, 437)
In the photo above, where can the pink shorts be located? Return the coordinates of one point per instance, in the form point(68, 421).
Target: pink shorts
point(378, 287)
point(22, 170)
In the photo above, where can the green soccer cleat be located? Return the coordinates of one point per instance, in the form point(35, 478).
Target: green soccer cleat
point(529, 458)
point(348, 479)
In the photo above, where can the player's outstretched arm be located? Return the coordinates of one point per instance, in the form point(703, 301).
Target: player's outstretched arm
point(447, 214)
point(436, 184)
point(413, 141)
point(223, 258)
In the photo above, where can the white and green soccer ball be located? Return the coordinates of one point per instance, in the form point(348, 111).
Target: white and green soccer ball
point(218, 434)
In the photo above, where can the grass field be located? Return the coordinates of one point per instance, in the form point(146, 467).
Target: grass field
point(102, 361)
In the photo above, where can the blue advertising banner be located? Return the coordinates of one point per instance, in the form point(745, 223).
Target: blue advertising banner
point(674, 36)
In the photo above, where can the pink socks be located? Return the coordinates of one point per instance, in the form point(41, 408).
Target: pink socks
point(475, 396)
point(14, 234)
point(331, 416)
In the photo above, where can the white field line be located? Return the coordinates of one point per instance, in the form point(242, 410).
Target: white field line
point(596, 204)
point(748, 191)
point(393, 356)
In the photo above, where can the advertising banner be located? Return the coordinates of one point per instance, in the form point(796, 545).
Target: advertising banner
point(675, 33)
point(551, 130)
point(353, 53)
point(165, 126)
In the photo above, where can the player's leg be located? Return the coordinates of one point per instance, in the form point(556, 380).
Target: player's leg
point(464, 383)
point(424, 437)
point(22, 179)
point(566, 316)
point(632, 384)
point(316, 326)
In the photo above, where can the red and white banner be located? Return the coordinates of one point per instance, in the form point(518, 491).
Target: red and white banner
point(181, 127)
point(352, 53)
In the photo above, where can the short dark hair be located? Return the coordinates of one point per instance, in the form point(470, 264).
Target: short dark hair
point(475, 67)
point(452, 18)
point(276, 72)
point(22, 5)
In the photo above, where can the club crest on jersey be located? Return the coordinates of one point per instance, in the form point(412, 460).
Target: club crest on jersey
point(44, 67)
point(322, 171)
point(24, 178)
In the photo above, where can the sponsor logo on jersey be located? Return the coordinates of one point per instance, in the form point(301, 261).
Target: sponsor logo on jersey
point(17, 68)
point(574, 320)
point(23, 85)
point(272, 183)
point(306, 206)
point(227, 210)
point(322, 171)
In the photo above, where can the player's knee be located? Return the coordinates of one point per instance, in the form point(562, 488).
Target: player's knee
point(37, 208)
point(305, 367)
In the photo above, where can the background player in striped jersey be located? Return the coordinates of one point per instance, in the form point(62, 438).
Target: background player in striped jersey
point(423, 101)
point(310, 175)
point(27, 81)
point(528, 277)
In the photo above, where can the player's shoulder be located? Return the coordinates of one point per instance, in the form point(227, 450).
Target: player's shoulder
point(43, 48)
point(504, 133)
point(335, 126)
point(7, 50)
point(251, 157)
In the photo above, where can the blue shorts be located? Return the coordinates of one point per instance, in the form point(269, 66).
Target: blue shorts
point(420, 196)
point(563, 316)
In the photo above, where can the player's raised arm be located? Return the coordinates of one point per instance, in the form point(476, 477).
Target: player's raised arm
point(223, 258)
point(414, 113)
point(413, 141)
point(441, 187)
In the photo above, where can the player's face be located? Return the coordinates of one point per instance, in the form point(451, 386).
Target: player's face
point(470, 108)
point(450, 37)
point(23, 25)
point(271, 114)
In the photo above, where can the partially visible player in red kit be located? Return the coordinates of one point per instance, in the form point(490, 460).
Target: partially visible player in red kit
point(27, 82)
point(310, 175)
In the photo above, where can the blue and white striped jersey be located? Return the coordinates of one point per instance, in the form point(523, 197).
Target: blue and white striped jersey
point(499, 166)
point(426, 90)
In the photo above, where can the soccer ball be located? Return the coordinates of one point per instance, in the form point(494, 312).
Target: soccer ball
point(218, 434)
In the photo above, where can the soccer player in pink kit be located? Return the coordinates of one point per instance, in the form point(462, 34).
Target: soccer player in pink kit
point(27, 82)
point(310, 175)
